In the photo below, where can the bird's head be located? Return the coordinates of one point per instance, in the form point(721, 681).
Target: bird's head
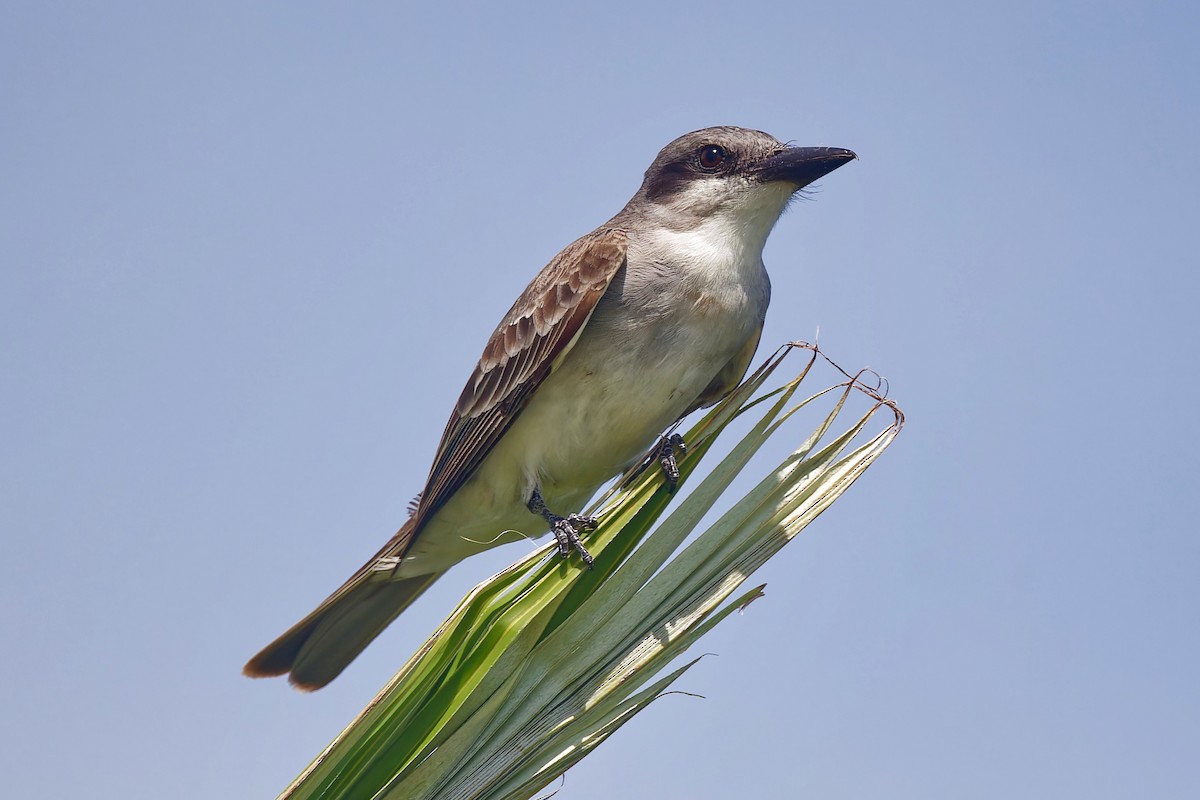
point(744, 175)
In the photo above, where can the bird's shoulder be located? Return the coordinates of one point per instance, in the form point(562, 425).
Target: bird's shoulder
point(545, 318)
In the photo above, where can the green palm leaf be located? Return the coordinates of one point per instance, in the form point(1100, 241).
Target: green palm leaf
point(542, 662)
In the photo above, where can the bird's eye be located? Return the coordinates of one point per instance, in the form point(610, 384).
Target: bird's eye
point(711, 156)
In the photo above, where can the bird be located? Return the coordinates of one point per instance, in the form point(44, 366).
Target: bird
point(653, 315)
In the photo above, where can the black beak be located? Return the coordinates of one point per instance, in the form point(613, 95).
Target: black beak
point(803, 165)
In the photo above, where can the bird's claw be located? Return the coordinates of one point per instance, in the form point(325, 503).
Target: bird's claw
point(566, 529)
point(667, 447)
point(566, 532)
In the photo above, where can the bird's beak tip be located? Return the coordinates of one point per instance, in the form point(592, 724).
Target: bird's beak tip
point(803, 165)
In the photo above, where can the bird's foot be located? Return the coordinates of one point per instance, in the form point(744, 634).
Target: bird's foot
point(566, 529)
point(667, 447)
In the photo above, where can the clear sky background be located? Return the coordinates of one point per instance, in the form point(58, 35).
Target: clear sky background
point(249, 256)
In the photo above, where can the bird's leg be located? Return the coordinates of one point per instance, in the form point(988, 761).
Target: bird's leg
point(667, 447)
point(565, 529)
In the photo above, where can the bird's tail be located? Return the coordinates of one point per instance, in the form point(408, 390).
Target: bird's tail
point(316, 649)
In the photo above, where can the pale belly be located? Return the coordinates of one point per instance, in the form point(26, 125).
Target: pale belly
point(617, 390)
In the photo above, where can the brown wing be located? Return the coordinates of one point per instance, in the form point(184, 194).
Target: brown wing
point(537, 332)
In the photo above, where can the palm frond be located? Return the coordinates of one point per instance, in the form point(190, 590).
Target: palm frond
point(542, 662)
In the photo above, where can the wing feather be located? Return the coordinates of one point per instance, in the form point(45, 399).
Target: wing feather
point(529, 342)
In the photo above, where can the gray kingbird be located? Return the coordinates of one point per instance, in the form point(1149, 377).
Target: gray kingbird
point(649, 317)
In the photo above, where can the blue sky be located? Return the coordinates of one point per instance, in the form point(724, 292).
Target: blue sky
point(249, 257)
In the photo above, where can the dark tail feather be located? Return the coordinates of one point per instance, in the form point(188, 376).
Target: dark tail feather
point(316, 649)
